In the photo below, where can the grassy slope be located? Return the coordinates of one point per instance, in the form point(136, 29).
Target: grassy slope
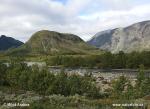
point(45, 43)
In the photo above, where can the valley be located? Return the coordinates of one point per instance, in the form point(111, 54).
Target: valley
point(60, 70)
point(74, 54)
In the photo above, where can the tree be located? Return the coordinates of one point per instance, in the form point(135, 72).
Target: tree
point(74, 84)
point(140, 80)
point(140, 75)
point(33, 80)
point(23, 79)
point(13, 74)
point(133, 60)
point(145, 87)
point(107, 60)
point(3, 73)
point(129, 92)
point(59, 86)
point(120, 60)
point(119, 86)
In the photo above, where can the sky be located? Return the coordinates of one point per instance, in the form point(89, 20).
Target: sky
point(22, 18)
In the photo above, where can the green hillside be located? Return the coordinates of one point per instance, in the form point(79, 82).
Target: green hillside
point(51, 43)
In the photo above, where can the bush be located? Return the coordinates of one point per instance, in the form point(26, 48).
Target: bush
point(20, 76)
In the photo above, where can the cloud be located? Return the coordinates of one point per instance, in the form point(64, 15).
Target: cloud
point(21, 18)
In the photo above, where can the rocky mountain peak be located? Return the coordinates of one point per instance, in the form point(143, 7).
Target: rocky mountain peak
point(135, 37)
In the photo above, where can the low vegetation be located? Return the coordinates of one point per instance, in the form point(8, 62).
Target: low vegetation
point(18, 76)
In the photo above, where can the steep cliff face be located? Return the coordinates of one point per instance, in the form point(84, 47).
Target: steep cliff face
point(132, 38)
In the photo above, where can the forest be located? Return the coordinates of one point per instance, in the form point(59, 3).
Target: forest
point(105, 60)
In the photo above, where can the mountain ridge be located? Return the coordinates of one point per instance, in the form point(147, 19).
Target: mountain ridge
point(135, 37)
point(8, 42)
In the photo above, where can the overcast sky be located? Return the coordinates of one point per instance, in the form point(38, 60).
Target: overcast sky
point(21, 18)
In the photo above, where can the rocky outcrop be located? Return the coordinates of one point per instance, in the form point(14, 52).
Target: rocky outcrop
point(132, 38)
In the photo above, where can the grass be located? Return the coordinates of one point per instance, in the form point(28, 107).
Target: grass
point(69, 102)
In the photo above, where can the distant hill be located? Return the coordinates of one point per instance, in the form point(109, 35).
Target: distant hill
point(51, 42)
point(135, 37)
point(8, 42)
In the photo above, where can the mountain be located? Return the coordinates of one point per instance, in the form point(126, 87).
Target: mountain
point(135, 37)
point(51, 42)
point(8, 42)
